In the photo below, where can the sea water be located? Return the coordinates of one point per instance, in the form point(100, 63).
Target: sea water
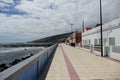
point(8, 55)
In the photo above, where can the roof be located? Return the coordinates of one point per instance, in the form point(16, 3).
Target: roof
point(108, 26)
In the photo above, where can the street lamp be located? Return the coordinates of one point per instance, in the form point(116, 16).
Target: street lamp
point(83, 26)
point(101, 28)
point(71, 27)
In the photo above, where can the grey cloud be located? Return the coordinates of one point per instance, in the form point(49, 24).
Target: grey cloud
point(58, 20)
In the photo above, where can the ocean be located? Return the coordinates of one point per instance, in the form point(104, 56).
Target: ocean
point(7, 55)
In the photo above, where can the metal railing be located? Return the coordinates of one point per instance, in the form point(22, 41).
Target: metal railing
point(97, 48)
point(86, 46)
point(30, 68)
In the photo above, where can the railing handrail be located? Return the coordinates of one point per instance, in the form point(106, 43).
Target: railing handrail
point(16, 70)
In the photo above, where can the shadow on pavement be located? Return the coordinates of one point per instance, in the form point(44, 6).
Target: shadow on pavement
point(44, 72)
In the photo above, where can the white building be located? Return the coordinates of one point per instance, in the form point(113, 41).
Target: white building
point(91, 39)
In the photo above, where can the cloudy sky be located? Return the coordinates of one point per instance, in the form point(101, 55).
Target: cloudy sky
point(26, 20)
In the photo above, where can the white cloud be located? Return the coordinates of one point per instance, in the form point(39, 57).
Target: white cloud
point(56, 20)
point(2, 4)
point(7, 1)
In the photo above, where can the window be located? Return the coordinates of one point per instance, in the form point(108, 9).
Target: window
point(95, 41)
point(99, 41)
point(83, 41)
point(112, 41)
point(89, 42)
point(104, 41)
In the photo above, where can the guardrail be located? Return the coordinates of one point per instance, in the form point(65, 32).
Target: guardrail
point(97, 48)
point(87, 46)
point(30, 68)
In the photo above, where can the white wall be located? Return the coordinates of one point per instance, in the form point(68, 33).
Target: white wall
point(116, 33)
point(111, 29)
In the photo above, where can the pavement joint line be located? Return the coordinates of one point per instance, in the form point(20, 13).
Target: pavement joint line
point(73, 74)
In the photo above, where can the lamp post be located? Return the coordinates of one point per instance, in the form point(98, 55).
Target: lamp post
point(82, 26)
point(101, 28)
point(71, 27)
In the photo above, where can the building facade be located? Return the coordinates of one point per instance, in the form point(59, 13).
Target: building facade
point(91, 39)
point(75, 38)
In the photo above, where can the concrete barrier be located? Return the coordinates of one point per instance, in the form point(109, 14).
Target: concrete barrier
point(30, 68)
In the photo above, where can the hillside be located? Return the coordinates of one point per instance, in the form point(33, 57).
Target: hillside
point(53, 39)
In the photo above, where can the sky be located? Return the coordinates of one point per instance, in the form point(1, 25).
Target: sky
point(27, 20)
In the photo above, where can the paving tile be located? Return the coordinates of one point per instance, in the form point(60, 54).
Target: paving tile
point(87, 65)
point(58, 68)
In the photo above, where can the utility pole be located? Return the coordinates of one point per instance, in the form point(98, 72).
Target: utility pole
point(101, 28)
point(82, 26)
point(71, 27)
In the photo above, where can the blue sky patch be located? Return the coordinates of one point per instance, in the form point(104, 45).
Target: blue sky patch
point(9, 8)
point(4, 3)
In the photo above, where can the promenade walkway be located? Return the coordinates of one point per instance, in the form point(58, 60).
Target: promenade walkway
point(71, 63)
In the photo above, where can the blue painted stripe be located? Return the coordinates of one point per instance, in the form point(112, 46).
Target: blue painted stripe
point(29, 74)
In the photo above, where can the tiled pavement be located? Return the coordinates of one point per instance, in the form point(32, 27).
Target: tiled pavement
point(71, 63)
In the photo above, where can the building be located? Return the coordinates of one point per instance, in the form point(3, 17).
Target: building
point(91, 39)
point(75, 38)
point(78, 37)
point(87, 29)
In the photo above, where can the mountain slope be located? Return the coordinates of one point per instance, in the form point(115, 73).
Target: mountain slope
point(53, 39)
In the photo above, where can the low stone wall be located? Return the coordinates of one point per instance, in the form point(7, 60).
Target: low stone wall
point(30, 68)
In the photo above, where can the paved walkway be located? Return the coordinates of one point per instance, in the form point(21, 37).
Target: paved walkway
point(76, 64)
